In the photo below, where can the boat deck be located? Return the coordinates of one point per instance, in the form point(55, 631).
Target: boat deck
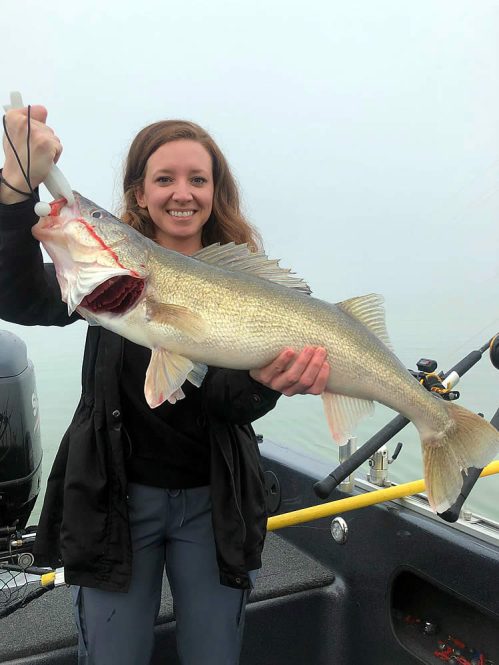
point(292, 590)
point(323, 603)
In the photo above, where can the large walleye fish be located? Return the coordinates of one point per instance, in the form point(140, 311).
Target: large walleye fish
point(229, 308)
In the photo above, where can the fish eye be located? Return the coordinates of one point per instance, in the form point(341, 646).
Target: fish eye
point(97, 214)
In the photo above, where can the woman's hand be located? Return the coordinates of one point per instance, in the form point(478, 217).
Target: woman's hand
point(45, 150)
point(293, 373)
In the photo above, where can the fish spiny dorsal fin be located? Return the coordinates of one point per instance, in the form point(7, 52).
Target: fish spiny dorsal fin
point(240, 259)
point(369, 311)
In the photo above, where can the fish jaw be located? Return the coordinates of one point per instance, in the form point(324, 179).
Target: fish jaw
point(86, 260)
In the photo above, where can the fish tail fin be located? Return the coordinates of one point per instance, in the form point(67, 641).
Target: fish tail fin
point(468, 441)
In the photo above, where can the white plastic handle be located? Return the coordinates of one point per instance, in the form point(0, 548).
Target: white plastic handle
point(55, 181)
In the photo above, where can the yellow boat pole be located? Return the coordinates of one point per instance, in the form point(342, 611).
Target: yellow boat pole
point(358, 501)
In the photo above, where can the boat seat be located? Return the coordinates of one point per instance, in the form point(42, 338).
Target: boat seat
point(43, 633)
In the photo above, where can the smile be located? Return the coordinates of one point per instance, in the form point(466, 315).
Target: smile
point(181, 213)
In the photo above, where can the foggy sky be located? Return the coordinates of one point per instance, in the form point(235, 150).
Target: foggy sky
point(364, 135)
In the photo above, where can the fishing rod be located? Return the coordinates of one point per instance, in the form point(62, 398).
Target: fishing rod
point(441, 384)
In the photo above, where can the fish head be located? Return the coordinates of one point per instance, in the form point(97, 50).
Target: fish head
point(100, 262)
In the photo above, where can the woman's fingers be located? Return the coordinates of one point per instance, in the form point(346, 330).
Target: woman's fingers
point(38, 113)
point(271, 373)
point(45, 147)
point(308, 374)
point(293, 373)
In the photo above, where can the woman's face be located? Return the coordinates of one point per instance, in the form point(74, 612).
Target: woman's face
point(178, 194)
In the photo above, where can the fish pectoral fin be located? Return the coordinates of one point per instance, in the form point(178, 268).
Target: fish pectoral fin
point(344, 414)
point(240, 258)
point(177, 316)
point(370, 312)
point(165, 376)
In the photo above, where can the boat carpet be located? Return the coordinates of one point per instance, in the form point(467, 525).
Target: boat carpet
point(46, 625)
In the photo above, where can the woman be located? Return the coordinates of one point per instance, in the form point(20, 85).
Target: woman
point(134, 490)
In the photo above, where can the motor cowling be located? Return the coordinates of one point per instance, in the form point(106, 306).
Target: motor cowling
point(20, 442)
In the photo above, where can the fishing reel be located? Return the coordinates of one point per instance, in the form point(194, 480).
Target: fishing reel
point(441, 383)
point(433, 381)
point(494, 351)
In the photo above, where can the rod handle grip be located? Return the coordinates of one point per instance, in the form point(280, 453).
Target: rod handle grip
point(469, 480)
point(324, 487)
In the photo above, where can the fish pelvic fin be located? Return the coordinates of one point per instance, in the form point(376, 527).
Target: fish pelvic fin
point(344, 413)
point(240, 259)
point(166, 374)
point(197, 374)
point(468, 441)
point(179, 317)
point(369, 310)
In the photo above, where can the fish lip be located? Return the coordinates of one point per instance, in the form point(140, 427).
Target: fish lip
point(48, 222)
point(56, 206)
point(45, 227)
point(54, 220)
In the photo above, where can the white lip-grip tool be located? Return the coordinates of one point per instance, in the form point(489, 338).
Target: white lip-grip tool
point(55, 181)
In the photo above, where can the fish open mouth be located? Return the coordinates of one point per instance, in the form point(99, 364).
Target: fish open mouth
point(116, 295)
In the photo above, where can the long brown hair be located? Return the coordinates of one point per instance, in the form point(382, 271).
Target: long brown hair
point(226, 222)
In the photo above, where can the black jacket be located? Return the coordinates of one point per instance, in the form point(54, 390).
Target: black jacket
point(84, 520)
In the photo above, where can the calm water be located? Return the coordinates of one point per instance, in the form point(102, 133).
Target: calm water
point(297, 422)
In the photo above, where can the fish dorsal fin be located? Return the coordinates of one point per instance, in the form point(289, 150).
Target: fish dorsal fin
point(166, 374)
point(370, 312)
point(344, 413)
point(239, 258)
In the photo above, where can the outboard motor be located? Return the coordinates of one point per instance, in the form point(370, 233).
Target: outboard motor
point(20, 443)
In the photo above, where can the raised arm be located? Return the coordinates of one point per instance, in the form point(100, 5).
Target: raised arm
point(29, 292)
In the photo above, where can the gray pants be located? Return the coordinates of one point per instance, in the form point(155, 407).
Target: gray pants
point(171, 529)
